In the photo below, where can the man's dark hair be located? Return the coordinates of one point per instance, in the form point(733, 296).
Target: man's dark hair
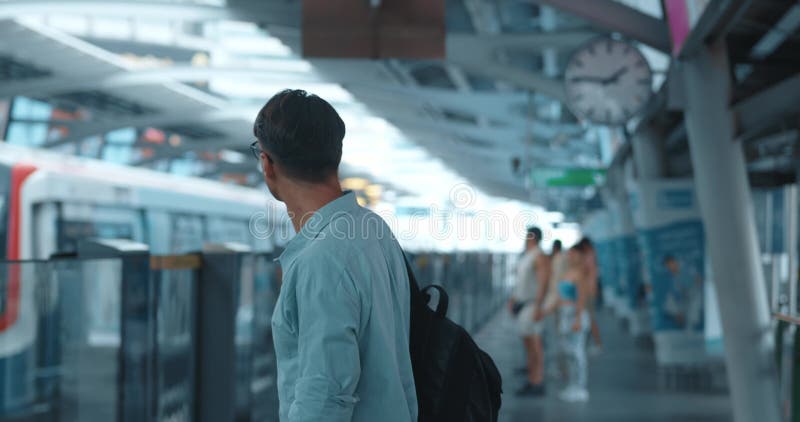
point(534, 233)
point(303, 133)
point(584, 244)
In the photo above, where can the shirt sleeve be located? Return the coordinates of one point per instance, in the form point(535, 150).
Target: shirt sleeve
point(329, 315)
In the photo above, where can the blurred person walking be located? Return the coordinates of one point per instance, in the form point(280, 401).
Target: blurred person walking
point(574, 324)
point(533, 274)
point(592, 278)
point(549, 314)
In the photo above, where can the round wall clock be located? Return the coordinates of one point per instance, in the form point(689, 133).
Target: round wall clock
point(608, 81)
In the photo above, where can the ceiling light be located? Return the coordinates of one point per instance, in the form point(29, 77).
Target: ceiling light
point(373, 191)
point(354, 183)
point(232, 157)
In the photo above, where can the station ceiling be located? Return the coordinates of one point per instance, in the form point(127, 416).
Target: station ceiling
point(175, 85)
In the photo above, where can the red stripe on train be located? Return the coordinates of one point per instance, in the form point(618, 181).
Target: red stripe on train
point(19, 173)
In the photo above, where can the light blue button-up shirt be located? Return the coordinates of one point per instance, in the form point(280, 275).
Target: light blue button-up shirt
point(341, 324)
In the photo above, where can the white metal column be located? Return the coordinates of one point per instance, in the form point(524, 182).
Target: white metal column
point(725, 203)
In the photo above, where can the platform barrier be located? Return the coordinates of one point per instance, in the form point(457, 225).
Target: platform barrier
point(477, 284)
point(116, 334)
point(787, 356)
point(60, 340)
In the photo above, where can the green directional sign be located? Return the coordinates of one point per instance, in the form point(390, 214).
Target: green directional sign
point(567, 177)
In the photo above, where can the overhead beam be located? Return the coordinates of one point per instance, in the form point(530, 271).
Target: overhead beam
point(614, 16)
point(504, 108)
point(477, 54)
point(522, 78)
point(87, 129)
point(260, 12)
point(755, 113)
point(488, 43)
point(152, 9)
point(513, 120)
point(768, 106)
point(496, 136)
point(186, 73)
point(483, 16)
point(717, 20)
point(44, 87)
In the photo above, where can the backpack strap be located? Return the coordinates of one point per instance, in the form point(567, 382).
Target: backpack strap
point(420, 297)
point(443, 299)
point(417, 297)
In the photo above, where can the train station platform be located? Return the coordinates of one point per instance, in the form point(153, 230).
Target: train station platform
point(148, 181)
point(623, 383)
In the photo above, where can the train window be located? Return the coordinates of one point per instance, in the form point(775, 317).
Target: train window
point(70, 232)
point(186, 233)
point(227, 230)
point(81, 221)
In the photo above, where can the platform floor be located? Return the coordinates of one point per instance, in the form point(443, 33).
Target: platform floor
point(622, 383)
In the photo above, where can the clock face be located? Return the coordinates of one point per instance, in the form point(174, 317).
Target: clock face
point(608, 81)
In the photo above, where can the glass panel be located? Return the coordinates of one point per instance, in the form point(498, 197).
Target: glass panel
point(175, 327)
point(88, 320)
point(27, 134)
point(244, 338)
point(263, 385)
point(59, 340)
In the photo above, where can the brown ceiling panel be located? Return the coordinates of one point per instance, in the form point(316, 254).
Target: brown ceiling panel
point(411, 29)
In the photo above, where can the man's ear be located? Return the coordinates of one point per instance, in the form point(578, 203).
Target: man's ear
point(268, 166)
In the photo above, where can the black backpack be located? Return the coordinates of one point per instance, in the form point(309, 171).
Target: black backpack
point(456, 381)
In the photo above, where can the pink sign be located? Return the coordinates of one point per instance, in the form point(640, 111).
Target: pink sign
point(679, 23)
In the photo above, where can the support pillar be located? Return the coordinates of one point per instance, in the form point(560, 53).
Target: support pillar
point(628, 252)
point(648, 155)
point(724, 197)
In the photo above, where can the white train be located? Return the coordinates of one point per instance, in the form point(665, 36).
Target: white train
point(49, 201)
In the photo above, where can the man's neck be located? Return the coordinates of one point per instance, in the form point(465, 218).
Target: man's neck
point(304, 200)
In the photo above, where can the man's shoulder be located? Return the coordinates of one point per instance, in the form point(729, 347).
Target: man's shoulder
point(354, 229)
point(347, 235)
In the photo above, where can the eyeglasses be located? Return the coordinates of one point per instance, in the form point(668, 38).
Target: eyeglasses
point(256, 150)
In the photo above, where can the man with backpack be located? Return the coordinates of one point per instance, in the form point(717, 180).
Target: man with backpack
point(341, 326)
point(355, 338)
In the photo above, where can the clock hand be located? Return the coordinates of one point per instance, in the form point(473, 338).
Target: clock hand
point(590, 79)
point(615, 77)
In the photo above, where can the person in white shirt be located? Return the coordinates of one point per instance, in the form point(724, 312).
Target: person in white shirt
point(528, 297)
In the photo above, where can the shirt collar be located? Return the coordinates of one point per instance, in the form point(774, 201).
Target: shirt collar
point(321, 218)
